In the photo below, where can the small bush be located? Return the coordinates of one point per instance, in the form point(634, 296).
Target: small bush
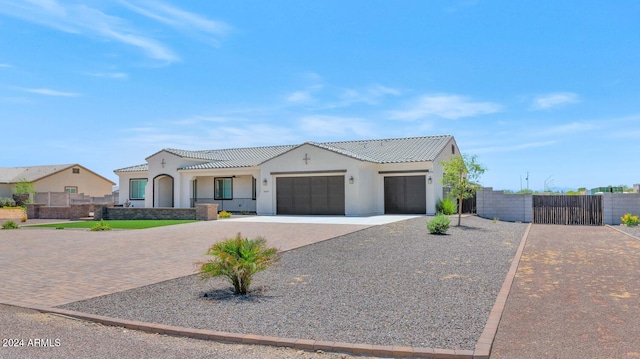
point(10, 225)
point(238, 259)
point(629, 220)
point(7, 202)
point(446, 206)
point(102, 226)
point(439, 224)
point(224, 214)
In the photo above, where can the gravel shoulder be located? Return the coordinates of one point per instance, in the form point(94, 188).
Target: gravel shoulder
point(68, 338)
point(634, 231)
point(393, 284)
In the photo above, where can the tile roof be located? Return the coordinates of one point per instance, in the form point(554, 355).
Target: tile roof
point(137, 168)
point(32, 173)
point(392, 150)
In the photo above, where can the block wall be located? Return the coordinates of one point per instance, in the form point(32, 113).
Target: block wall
point(505, 207)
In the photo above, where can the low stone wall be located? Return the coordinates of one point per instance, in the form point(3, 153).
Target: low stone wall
point(616, 205)
point(72, 212)
point(202, 212)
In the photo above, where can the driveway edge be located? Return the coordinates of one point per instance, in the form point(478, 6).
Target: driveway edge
point(485, 342)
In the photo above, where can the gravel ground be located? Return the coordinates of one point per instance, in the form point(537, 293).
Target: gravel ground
point(634, 231)
point(79, 339)
point(389, 285)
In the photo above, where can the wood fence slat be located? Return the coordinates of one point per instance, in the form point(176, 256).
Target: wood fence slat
point(568, 210)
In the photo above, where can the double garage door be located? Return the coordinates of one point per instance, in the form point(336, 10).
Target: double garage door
point(310, 195)
point(325, 195)
point(405, 195)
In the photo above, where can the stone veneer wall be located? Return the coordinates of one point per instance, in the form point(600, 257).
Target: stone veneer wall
point(203, 212)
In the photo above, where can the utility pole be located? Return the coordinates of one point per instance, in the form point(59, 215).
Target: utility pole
point(527, 179)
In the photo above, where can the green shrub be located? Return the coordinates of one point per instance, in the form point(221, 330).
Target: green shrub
point(7, 202)
point(224, 214)
point(238, 259)
point(446, 206)
point(10, 225)
point(439, 224)
point(629, 220)
point(102, 226)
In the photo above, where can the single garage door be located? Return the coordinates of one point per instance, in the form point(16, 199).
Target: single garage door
point(310, 195)
point(405, 195)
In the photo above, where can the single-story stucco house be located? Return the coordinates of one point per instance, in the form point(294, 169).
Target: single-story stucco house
point(353, 178)
point(70, 178)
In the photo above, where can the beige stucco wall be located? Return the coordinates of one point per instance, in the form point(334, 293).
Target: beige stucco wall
point(123, 185)
point(359, 195)
point(6, 190)
point(87, 182)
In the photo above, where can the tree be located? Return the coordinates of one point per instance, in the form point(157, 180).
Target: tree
point(23, 191)
point(460, 175)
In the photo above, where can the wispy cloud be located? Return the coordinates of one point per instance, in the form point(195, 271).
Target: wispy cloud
point(544, 102)
point(334, 126)
point(178, 18)
point(111, 75)
point(570, 128)
point(49, 92)
point(445, 106)
point(300, 97)
point(84, 20)
point(510, 148)
point(5, 66)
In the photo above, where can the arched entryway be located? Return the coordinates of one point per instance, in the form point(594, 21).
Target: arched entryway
point(163, 191)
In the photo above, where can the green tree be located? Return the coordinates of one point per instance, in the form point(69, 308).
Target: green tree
point(461, 175)
point(238, 259)
point(23, 191)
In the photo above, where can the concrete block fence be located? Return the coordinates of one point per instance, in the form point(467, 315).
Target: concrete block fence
point(519, 207)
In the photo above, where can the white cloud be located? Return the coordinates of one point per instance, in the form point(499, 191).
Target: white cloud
point(300, 97)
point(111, 75)
point(570, 128)
point(178, 18)
point(49, 92)
point(554, 99)
point(329, 126)
point(510, 148)
point(81, 19)
point(445, 106)
point(5, 66)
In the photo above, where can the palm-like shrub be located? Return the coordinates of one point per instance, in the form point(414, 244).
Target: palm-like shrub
point(439, 224)
point(238, 259)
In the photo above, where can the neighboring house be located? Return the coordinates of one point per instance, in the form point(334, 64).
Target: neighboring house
point(55, 178)
point(353, 178)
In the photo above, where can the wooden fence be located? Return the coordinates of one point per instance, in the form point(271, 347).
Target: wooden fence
point(568, 210)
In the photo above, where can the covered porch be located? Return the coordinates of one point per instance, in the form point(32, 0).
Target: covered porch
point(232, 192)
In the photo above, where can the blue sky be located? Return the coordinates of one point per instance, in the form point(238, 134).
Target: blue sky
point(549, 88)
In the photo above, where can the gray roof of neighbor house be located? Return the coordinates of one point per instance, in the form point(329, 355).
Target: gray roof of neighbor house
point(392, 150)
point(34, 173)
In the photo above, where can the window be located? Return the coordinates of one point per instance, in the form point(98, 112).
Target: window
point(453, 149)
point(223, 188)
point(71, 189)
point(254, 188)
point(75, 170)
point(136, 188)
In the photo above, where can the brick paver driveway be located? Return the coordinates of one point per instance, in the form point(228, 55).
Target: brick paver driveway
point(576, 295)
point(50, 267)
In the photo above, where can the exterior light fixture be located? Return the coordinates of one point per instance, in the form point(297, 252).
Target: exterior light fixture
point(430, 180)
point(264, 182)
point(351, 180)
